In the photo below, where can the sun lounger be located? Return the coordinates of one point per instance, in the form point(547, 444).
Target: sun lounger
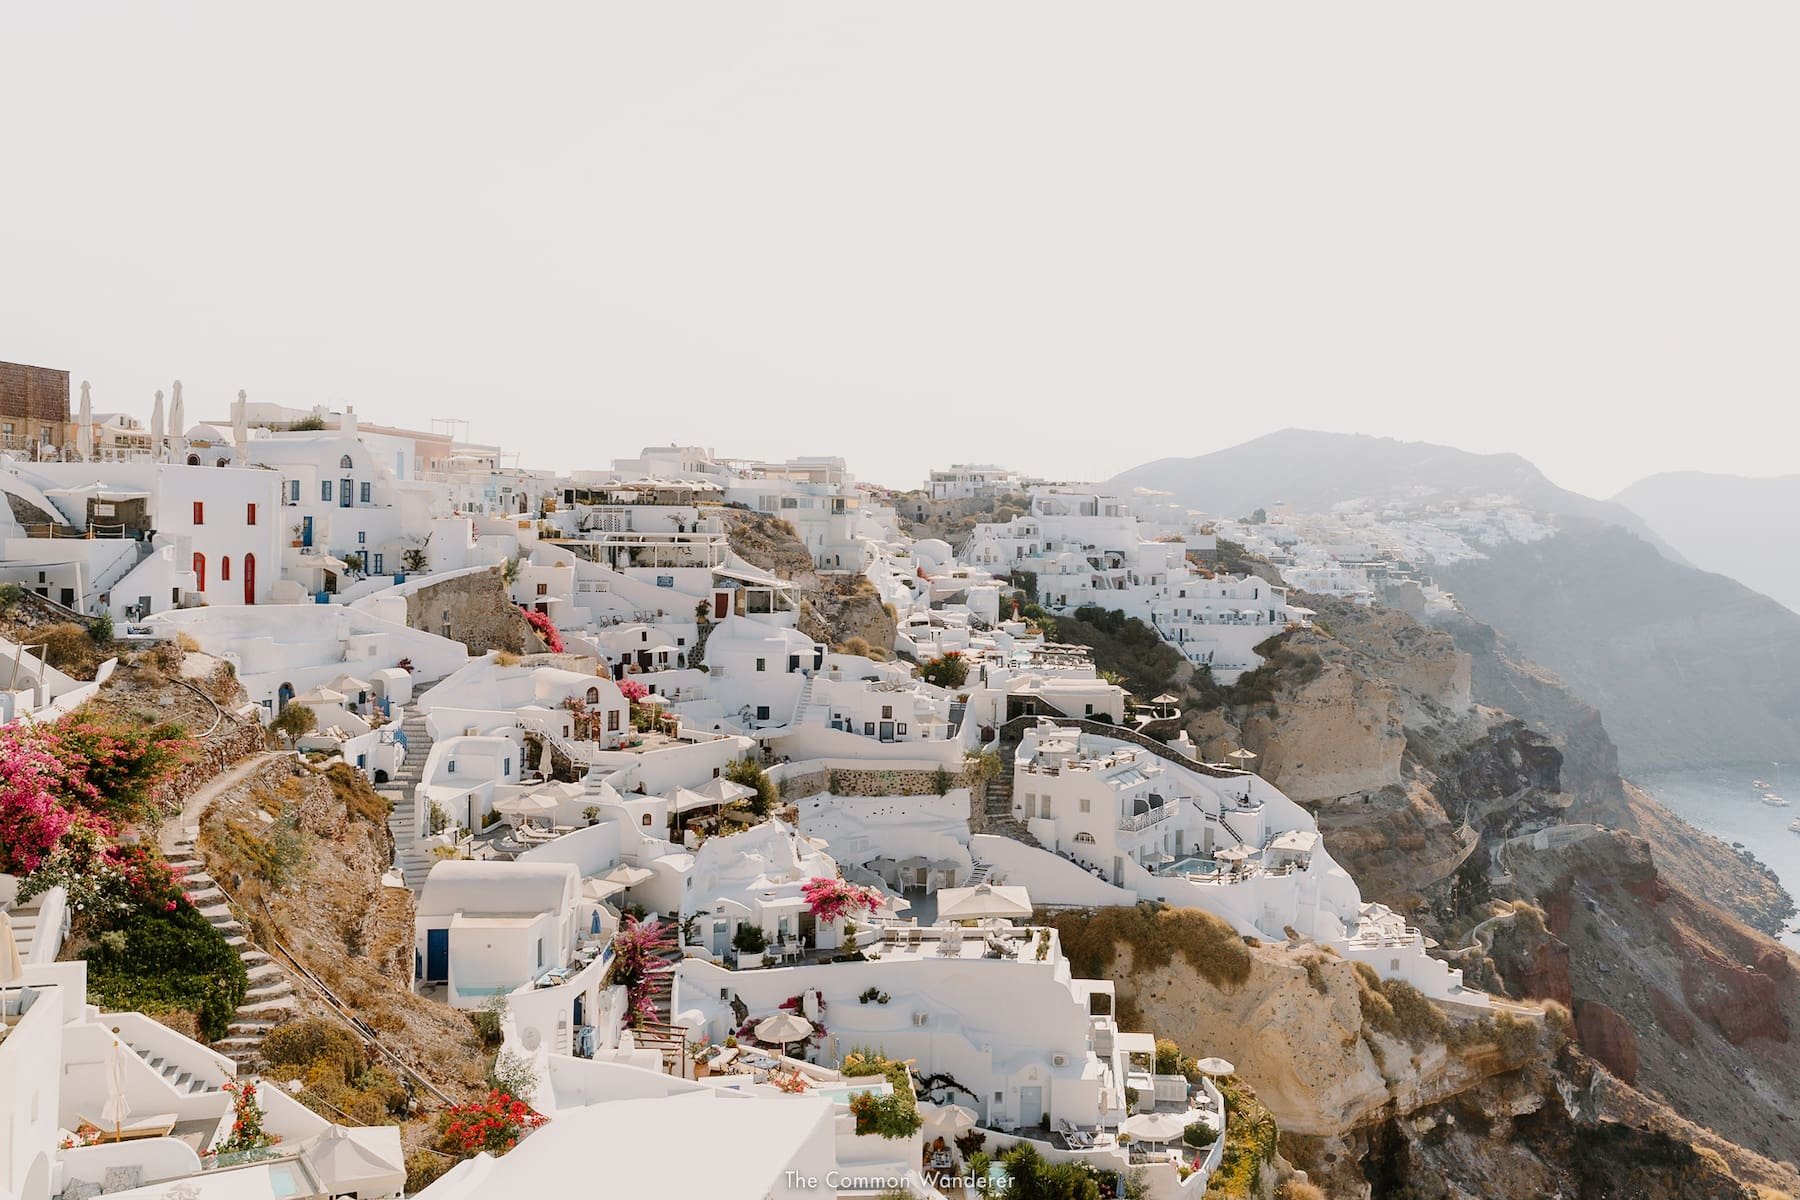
point(160, 1125)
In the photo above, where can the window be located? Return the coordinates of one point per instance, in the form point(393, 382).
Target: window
point(540, 952)
point(199, 512)
point(293, 491)
point(1086, 804)
point(1044, 810)
point(325, 489)
point(1085, 838)
point(453, 766)
point(544, 590)
point(612, 720)
point(362, 537)
point(344, 463)
point(199, 572)
point(506, 766)
point(762, 664)
point(250, 513)
point(646, 821)
point(887, 712)
point(378, 562)
point(365, 492)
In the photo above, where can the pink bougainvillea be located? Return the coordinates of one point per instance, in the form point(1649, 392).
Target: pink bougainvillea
point(545, 628)
point(33, 819)
point(829, 897)
point(632, 690)
point(638, 948)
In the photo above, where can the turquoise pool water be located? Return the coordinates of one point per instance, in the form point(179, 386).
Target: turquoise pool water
point(1193, 864)
point(841, 1093)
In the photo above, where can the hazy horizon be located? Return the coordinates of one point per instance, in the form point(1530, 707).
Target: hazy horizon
point(808, 229)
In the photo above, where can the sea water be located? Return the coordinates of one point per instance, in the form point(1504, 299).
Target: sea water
point(1723, 802)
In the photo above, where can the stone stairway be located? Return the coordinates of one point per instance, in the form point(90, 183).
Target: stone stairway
point(270, 999)
point(403, 821)
point(802, 703)
point(658, 1033)
point(178, 1076)
point(997, 798)
point(25, 919)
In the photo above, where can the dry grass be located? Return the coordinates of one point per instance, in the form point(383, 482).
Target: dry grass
point(1091, 938)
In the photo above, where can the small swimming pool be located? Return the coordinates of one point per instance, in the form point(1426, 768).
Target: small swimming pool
point(841, 1093)
point(1193, 864)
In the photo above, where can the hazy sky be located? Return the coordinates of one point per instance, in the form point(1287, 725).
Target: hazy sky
point(1065, 237)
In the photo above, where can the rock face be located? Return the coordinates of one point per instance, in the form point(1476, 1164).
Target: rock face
point(474, 609)
point(1608, 1038)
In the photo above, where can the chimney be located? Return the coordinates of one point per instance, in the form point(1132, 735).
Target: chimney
point(347, 424)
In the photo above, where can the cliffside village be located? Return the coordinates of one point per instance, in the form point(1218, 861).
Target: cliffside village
point(584, 822)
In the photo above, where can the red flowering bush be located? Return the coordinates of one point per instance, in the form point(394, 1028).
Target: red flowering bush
point(637, 951)
point(112, 767)
point(632, 690)
point(544, 627)
point(33, 817)
point(490, 1126)
point(829, 897)
point(247, 1131)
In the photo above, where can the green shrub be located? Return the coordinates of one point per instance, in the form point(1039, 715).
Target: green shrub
point(948, 670)
point(294, 722)
point(1091, 938)
point(749, 772)
point(167, 962)
point(749, 939)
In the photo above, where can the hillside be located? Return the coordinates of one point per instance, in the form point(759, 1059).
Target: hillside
point(1727, 523)
point(1312, 471)
point(1689, 668)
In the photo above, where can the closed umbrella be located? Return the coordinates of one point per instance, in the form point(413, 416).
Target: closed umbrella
point(344, 1162)
point(117, 1109)
point(177, 416)
point(156, 424)
point(783, 1029)
point(84, 430)
point(11, 965)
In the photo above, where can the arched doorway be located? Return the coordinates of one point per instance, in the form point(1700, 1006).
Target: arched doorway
point(283, 694)
point(249, 579)
point(199, 571)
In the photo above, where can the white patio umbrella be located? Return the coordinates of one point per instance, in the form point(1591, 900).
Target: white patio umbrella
point(156, 424)
point(84, 429)
point(240, 420)
point(949, 1118)
point(1157, 1126)
point(320, 695)
point(782, 1029)
point(11, 965)
point(1242, 754)
point(527, 804)
point(982, 900)
point(720, 790)
point(1215, 1066)
point(626, 875)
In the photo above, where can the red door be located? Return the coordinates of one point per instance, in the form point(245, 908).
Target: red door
point(199, 572)
point(249, 579)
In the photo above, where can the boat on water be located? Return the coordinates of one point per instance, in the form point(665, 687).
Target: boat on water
point(1774, 801)
point(1794, 825)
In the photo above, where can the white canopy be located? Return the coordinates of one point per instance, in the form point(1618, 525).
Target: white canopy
point(1215, 1066)
point(982, 900)
point(351, 1160)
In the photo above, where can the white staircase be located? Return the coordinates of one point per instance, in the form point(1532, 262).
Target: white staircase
point(270, 999)
point(403, 821)
point(27, 918)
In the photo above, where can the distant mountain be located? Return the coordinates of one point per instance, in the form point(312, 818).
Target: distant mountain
point(1745, 528)
point(1311, 471)
point(1688, 668)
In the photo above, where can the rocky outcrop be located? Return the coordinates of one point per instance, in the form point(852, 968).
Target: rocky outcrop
point(475, 609)
point(1607, 1038)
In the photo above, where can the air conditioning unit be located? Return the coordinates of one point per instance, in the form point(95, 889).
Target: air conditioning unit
point(1059, 1060)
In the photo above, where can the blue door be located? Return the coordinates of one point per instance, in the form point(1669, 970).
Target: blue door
point(306, 531)
point(437, 955)
point(346, 497)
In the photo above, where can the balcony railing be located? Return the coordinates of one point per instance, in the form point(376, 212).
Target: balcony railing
point(1131, 822)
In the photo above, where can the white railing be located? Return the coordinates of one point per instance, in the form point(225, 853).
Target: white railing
point(1133, 822)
